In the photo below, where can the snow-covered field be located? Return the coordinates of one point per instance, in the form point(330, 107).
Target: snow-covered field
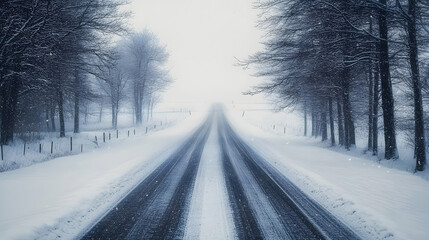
point(38, 146)
point(380, 200)
point(291, 123)
point(61, 197)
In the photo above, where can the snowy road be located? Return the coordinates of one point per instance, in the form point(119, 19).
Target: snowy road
point(157, 208)
point(191, 196)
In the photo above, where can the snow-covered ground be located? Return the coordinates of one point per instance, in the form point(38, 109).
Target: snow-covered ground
point(61, 197)
point(38, 145)
point(379, 201)
point(288, 122)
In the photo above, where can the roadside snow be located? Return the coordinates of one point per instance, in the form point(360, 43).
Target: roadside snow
point(376, 201)
point(32, 148)
point(210, 216)
point(61, 197)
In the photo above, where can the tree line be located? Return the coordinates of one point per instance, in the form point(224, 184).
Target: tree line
point(58, 56)
point(340, 61)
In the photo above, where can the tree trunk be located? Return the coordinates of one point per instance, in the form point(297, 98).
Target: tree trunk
point(9, 91)
point(151, 109)
point(76, 104)
point(47, 118)
point(76, 115)
point(313, 125)
point(419, 130)
point(370, 105)
point(100, 115)
point(86, 114)
point(53, 115)
point(331, 121)
point(346, 108)
point(375, 110)
point(323, 122)
point(61, 112)
point(340, 121)
point(317, 124)
point(352, 133)
point(386, 88)
point(305, 120)
point(114, 116)
point(148, 112)
point(115, 110)
point(138, 99)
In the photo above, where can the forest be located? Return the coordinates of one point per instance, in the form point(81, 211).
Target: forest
point(57, 57)
point(349, 64)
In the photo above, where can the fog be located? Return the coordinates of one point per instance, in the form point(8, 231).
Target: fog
point(204, 39)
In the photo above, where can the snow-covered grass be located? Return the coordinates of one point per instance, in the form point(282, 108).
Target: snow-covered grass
point(38, 145)
point(291, 123)
point(380, 200)
point(62, 197)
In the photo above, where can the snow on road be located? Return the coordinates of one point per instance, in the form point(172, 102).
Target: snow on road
point(62, 197)
point(378, 202)
point(210, 215)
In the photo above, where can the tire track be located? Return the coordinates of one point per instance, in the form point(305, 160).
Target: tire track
point(158, 206)
point(246, 226)
point(298, 215)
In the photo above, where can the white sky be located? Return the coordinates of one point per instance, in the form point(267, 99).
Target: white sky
point(203, 38)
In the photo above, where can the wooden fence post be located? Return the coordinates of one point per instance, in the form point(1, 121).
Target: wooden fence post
point(40, 147)
point(24, 147)
point(146, 129)
point(71, 144)
point(128, 133)
point(104, 137)
point(52, 147)
point(81, 147)
point(1, 146)
point(117, 133)
point(109, 136)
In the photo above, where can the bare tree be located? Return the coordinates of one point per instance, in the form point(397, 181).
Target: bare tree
point(37, 38)
point(320, 51)
point(145, 58)
point(113, 81)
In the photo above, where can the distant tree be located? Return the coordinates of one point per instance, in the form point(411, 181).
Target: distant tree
point(112, 80)
point(145, 61)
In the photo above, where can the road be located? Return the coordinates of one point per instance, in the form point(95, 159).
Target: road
point(263, 202)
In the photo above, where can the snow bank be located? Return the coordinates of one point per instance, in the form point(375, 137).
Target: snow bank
point(61, 197)
point(377, 201)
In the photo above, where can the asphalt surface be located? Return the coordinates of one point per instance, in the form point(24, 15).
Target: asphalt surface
point(157, 208)
point(264, 203)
